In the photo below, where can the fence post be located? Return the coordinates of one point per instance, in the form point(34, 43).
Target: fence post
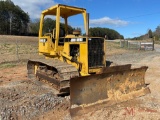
point(121, 44)
point(17, 50)
point(153, 43)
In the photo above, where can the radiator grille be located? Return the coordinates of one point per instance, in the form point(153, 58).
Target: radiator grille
point(95, 52)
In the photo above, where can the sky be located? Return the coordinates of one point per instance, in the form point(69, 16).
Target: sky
point(131, 18)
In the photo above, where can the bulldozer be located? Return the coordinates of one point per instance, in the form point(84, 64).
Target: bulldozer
point(75, 65)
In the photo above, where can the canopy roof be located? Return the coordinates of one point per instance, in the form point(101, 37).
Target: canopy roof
point(65, 11)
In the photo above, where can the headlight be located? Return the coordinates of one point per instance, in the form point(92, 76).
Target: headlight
point(43, 40)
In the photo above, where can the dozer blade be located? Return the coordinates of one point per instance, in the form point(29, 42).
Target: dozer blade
point(108, 88)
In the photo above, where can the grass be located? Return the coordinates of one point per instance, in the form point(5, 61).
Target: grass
point(11, 64)
point(7, 65)
point(157, 42)
point(113, 48)
point(112, 45)
point(15, 50)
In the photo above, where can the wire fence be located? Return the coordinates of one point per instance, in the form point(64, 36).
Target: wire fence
point(18, 50)
point(139, 45)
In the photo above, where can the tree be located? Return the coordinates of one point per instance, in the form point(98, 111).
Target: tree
point(13, 19)
point(150, 33)
point(49, 25)
point(157, 30)
point(103, 32)
point(34, 27)
point(157, 33)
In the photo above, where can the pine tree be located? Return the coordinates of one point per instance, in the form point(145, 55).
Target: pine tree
point(150, 33)
point(13, 19)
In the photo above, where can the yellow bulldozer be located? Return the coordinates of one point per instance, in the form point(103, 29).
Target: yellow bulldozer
point(75, 65)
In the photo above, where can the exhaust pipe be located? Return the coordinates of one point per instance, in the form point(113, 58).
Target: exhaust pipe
point(87, 24)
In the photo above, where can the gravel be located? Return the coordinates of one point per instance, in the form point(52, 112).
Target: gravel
point(132, 57)
point(26, 100)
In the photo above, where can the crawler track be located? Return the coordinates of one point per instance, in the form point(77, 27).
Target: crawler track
point(55, 72)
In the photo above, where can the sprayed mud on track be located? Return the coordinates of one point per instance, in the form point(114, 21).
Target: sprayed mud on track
point(28, 99)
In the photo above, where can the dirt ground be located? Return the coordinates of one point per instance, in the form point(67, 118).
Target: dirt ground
point(23, 99)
